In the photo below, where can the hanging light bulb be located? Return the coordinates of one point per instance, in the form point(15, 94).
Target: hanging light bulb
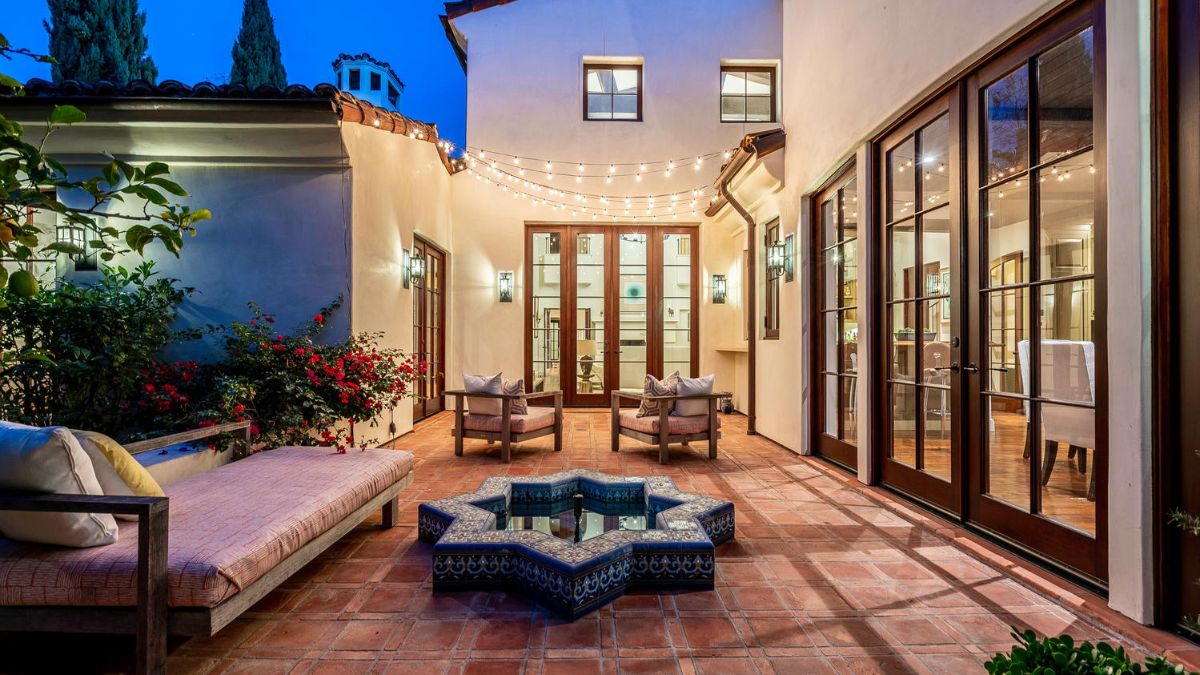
point(580, 167)
point(549, 167)
point(517, 161)
point(550, 177)
point(638, 177)
point(482, 154)
point(727, 155)
point(642, 168)
point(520, 172)
point(608, 180)
point(578, 179)
point(612, 168)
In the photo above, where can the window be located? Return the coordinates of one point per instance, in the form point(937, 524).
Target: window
point(771, 303)
point(393, 95)
point(747, 94)
point(376, 82)
point(612, 92)
point(355, 79)
point(339, 75)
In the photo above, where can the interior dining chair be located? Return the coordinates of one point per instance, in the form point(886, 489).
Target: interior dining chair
point(935, 359)
point(1068, 373)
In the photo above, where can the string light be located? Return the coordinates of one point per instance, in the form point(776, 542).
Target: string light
point(595, 169)
point(581, 202)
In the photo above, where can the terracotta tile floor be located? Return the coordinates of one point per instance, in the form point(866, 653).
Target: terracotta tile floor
point(825, 575)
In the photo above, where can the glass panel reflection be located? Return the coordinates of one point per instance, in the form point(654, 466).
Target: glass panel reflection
point(677, 302)
point(1065, 91)
point(1007, 212)
point(902, 281)
point(1007, 125)
point(1068, 211)
point(904, 340)
point(1007, 326)
point(902, 180)
point(1068, 354)
point(904, 423)
point(632, 317)
point(847, 398)
point(546, 306)
point(1069, 466)
point(589, 310)
point(935, 160)
point(1005, 452)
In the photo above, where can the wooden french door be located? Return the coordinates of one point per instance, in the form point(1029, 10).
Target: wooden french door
point(607, 305)
point(992, 242)
point(836, 303)
point(1034, 367)
point(429, 329)
point(922, 326)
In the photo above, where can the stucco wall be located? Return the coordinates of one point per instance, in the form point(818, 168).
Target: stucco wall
point(398, 187)
point(525, 96)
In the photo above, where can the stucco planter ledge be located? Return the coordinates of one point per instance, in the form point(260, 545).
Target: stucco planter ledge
point(575, 578)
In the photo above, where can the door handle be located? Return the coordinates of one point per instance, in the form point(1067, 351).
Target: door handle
point(970, 368)
point(954, 368)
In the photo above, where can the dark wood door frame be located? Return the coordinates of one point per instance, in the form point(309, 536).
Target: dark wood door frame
point(1175, 217)
point(434, 379)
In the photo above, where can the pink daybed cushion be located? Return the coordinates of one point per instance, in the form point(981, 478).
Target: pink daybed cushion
point(692, 424)
point(536, 418)
point(228, 527)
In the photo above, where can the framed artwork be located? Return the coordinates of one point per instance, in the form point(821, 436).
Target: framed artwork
point(634, 292)
point(1069, 255)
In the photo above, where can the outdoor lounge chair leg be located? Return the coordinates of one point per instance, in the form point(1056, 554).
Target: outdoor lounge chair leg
point(712, 428)
point(616, 422)
point(152, 590)
point(506, 431)
point(664, 433)
point(1050, 455)
point(458, 426)
point(391, 513)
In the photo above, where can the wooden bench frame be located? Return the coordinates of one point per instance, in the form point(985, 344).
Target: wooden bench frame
point(505, 436)
point(151, 620)
point(664, 439)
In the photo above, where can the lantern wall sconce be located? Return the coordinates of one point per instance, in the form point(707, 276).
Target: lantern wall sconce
point(406, 267)
point(776, 260)
point(789, 258)
point(504, 282)
point(416, 267)
point(718, 289)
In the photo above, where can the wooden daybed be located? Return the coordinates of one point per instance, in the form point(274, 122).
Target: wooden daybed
point(199, 557)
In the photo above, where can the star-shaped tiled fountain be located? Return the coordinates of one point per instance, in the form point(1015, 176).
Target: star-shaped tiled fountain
point(575, 540)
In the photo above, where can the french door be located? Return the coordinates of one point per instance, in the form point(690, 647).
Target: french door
point(429, 330)
point(607, 305)
point(992, 242)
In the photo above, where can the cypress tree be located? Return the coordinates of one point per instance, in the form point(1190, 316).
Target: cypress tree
point(95, 40)
point(256, 56)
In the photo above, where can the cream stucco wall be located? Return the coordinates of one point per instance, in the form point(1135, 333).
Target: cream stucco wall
point(398, 187)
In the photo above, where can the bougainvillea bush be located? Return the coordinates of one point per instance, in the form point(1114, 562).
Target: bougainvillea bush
point(299, 391)
point(98, 366)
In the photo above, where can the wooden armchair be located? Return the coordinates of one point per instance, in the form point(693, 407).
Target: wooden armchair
point(664, 429)
point(506, 427)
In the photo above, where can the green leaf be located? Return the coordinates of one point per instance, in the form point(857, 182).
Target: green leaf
point(156, 169)
point(168, 185)
point(64, 247)
point(66, 114)
point(137, 237)
point(111, 174)
point(11, 82)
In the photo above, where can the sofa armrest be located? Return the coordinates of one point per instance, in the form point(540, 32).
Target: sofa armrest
point(152, 513)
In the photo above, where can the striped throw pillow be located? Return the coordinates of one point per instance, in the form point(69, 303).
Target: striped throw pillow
point(657, 387)
point(517, 388)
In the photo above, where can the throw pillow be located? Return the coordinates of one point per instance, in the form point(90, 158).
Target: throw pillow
point(119, 473)
point(691, 386)
point(50, 460)
point(517, 388)
point(480, 384)
point(657, 387)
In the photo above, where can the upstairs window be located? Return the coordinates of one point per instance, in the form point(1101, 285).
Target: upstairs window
point(612, 92)
point(393, 95)
point(747, 94)
point(376, 82)
point(355, 79)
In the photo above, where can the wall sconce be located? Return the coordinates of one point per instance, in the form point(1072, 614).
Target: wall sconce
point(718, 289)
point(776, 260)
point(406, 266)
point(789, 258)
point(416, 267)
point(505, 283)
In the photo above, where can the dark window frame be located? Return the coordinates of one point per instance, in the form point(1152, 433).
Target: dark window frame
point(601, 66)
point(774, 72)
point(355, 81)
point(376, 82)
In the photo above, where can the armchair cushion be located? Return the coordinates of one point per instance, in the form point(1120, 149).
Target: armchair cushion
point(657, 387)
point(676, 426)
point(481, 384)
point(534, 419)
point(689, 386)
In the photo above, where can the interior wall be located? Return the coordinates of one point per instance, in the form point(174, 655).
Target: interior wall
point(398, 187)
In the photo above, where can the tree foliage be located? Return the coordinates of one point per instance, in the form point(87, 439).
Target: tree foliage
point(256, 56)
point(94, 40)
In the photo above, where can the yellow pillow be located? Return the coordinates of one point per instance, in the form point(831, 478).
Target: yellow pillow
point(117, 470)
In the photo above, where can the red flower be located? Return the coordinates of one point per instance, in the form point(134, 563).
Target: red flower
point(149, 388)
point(239, 409)
point(320, 318)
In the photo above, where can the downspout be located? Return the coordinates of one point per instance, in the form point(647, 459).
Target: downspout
point(751, 299)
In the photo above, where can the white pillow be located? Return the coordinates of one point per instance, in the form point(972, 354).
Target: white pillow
point(50, 460)
point(481, 384)
point(690, 386)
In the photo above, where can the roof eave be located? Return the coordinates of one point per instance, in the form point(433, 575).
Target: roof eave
point(753, 145)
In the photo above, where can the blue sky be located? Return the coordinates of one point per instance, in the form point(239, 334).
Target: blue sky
point(191, 40)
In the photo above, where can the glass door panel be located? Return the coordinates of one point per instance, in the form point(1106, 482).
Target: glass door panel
point(633, 358)
point(677, 304)
point(545, 307)
point(591, 281)
point(429, 342)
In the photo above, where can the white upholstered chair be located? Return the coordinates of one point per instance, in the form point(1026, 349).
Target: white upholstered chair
point(1068, 373)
